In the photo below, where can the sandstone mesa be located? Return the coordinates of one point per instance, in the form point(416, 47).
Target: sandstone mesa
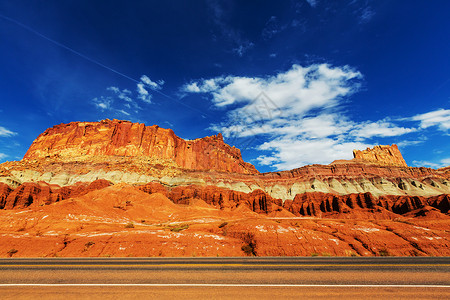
point(117, 188)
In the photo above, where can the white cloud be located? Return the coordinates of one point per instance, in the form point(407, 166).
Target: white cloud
point(153, 85)
point(435, 165)
point(6, 132)
point(143, 94)
point(104, 103)
point(407, 143)
point(3, 155)
point(296, 112)
point(290, 153)
point(446, 161)
point(121, 94)
point(123, 112)
point(300, 89)
point(145, 83)
point(440, 118)
point(113, 89)
point(380, 128)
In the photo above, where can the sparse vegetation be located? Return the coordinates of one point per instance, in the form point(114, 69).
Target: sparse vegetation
point(403, 221)
point(325, 254)
point(12, 251)
point(88, 245)
point(248, 249)
point(142, 221)
point(129, 225)
point(350, 253)
point(223, 224)
point(314, 254)
point(383, 252)
point(179, 228)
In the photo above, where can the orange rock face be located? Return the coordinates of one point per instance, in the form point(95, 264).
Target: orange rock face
point(31, 194)
point(122, 220)
point(124, 138)
point(116, 188)
point(381, 155)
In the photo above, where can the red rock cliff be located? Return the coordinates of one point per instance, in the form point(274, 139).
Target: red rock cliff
point(381, 155)
point(124, 138)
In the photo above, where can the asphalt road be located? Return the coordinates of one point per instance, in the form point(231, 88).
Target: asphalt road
point(226, 278)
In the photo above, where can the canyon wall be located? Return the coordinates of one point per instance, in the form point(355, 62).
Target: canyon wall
point(124, 138)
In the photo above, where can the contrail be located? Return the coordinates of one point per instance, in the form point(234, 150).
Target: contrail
point(66, 47)
point(94, 61)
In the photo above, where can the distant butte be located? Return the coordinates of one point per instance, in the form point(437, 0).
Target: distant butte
point(381, 155)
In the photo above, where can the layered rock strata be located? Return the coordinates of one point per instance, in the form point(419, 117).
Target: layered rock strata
point(381, 155)
point(124, 138)
point(314, 204)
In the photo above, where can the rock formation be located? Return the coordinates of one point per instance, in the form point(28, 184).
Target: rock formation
point(124, 138)
point(31, 194)
point(381, 155)
point(116, 188)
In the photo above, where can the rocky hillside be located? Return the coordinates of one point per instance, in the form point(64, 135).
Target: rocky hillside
point(101, 188)
point(124, 138)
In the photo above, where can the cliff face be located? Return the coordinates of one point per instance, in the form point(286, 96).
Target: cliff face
point(123, 138)
point(381, 155)
point(80, 183)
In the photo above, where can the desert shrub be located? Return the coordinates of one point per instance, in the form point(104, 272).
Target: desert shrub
point(12, 251)
point(350, 253)
point(179, 228)
point(223, 224)
point(88, 245)
point(383, 252)
point(129, 225)
point(248, 249)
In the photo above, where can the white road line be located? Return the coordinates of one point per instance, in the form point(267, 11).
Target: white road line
point(219, 285)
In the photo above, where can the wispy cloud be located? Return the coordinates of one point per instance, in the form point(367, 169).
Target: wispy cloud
point(3, 155)
point(313, 3)
point(122, 101)
point(219, 16)
point(145, 83)
point(436, 165)
point(123, 112)
point(103, 103)
point(407, 143)
point(153, 85)
point(6, 132)
point(143, 94)
point(121, 94)
point(439, 118)
point(380, 128)
point(272, 28)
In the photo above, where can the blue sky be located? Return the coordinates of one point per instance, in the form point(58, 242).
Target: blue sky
point(289, 82)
